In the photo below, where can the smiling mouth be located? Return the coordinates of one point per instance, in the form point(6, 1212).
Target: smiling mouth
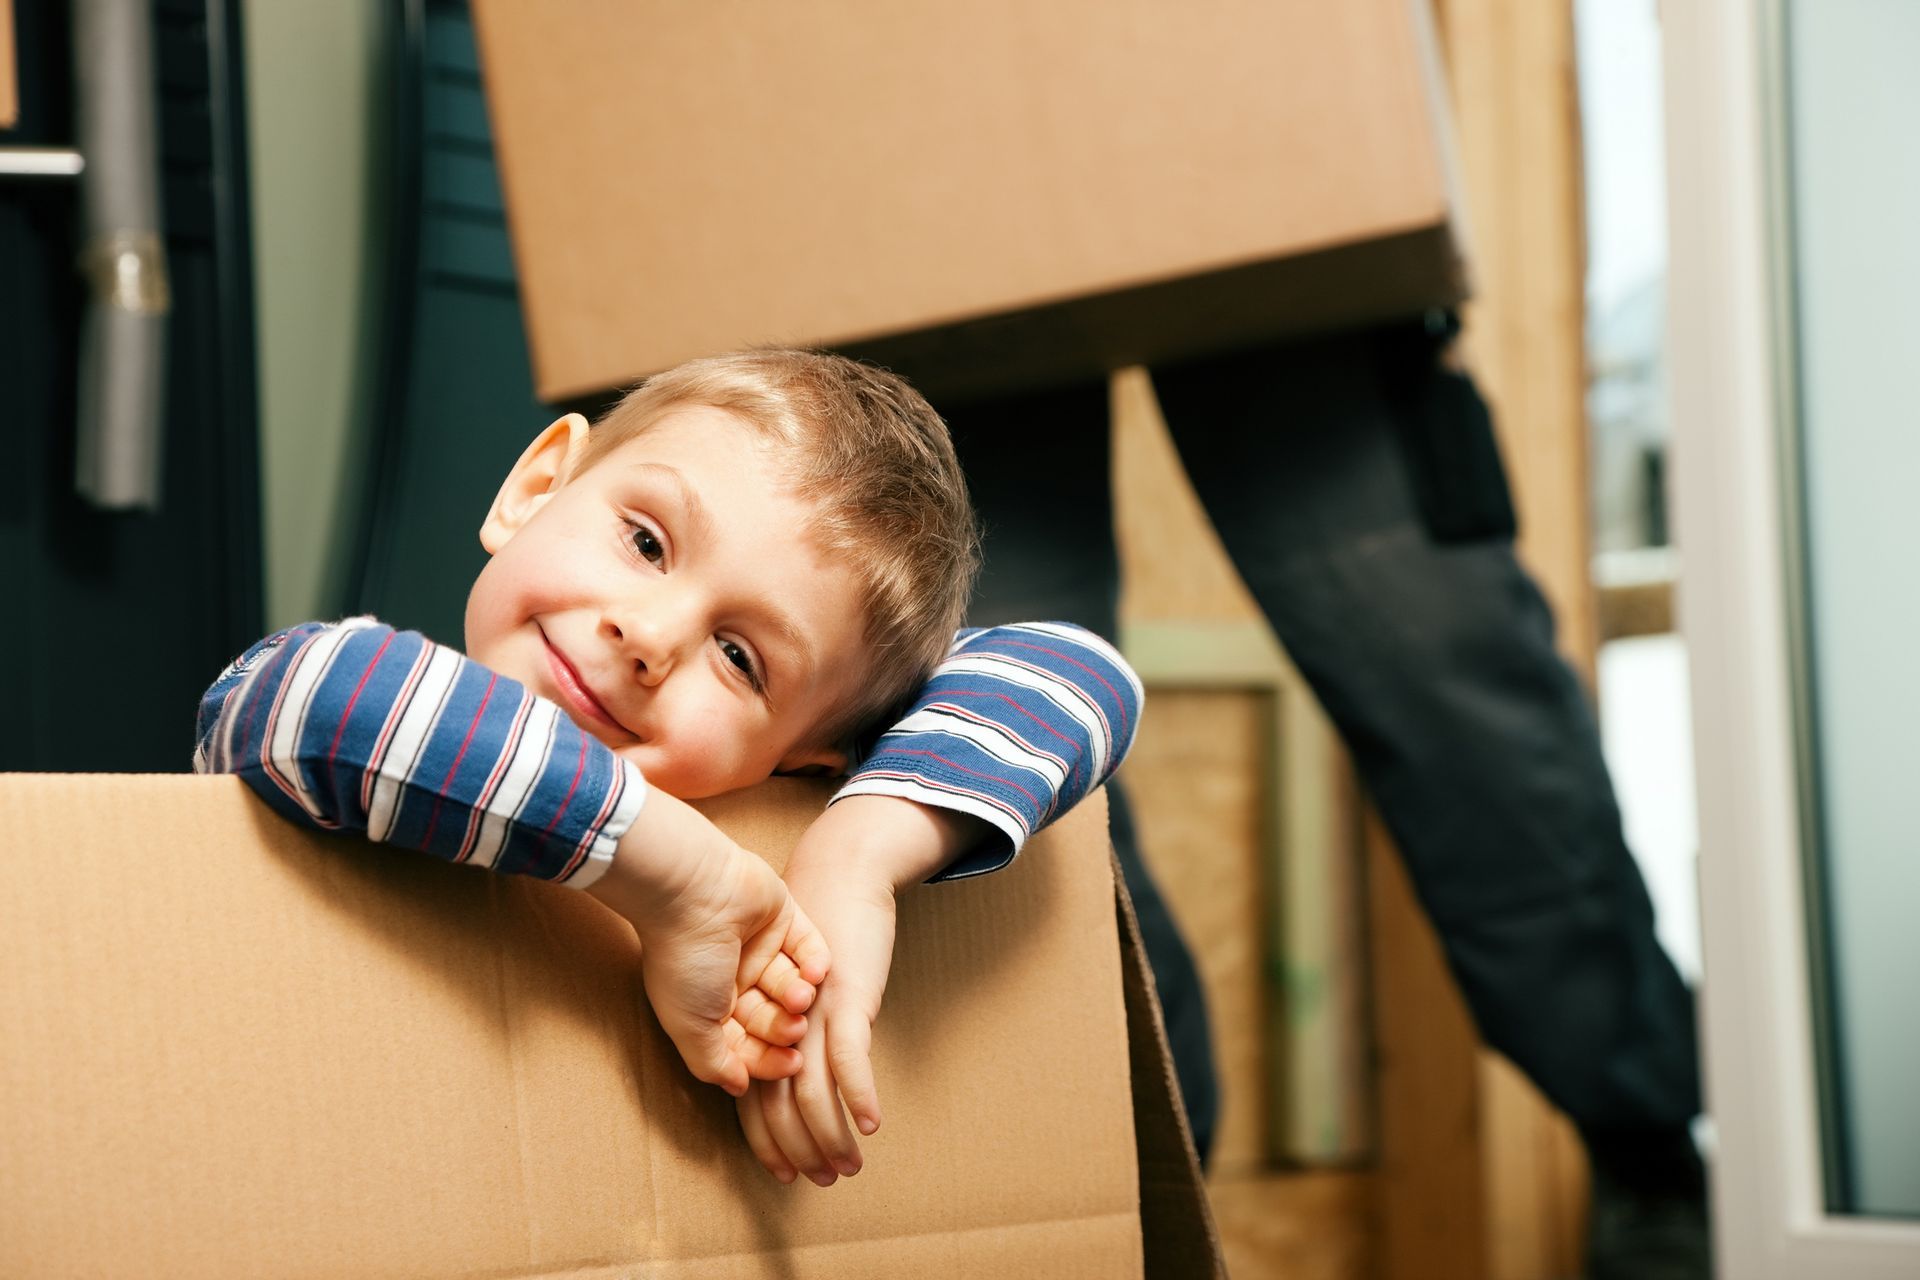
point(574, 694)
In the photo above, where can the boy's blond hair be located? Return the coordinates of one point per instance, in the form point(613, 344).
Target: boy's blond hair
point(875, 461)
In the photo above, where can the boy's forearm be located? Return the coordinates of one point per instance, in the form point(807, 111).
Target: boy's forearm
point(1013, 729)
point(348, 726)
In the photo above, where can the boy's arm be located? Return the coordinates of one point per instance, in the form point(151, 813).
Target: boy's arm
point(846, 873)
point(357, 727)
point(1011, 731)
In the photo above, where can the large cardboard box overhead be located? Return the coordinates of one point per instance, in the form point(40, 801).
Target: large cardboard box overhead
point(231, 1048)
point(984, 194)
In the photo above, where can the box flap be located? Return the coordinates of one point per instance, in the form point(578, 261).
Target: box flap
point(229, 1046)
point(1176, 1218)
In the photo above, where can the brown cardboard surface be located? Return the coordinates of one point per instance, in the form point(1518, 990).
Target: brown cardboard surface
point(229, 1047)
point(986, 193)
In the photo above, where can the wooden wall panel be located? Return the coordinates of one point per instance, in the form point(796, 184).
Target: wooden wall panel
point(1516, 105)
point(1536, 1179)
point(1198, 790)
point(1431, 1193)
point(1296, 1226)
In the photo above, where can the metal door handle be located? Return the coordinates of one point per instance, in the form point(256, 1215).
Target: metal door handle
point(123, 348)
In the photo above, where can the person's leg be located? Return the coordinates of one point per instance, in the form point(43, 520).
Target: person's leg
point(1435, 660)
point(1038, 469)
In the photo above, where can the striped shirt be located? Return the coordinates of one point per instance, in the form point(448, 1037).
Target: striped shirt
point(355, 726)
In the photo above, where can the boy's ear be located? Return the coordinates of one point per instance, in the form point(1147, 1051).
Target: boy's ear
point(813, 762)
point(546, 464)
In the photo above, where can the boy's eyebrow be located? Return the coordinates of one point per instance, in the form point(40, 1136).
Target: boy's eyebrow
point(702, 521)
point(796, 641)
point(690, 503)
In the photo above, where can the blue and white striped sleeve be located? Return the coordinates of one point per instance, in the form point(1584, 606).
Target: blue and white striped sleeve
point(354, 726)
point(1015, 727)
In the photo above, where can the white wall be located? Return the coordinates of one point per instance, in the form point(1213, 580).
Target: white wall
point(1856, 189)
point(310, 89)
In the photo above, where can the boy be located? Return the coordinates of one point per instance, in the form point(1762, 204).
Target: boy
point(748, 562)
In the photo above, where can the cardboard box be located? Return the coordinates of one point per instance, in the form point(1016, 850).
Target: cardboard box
point(229, 1047)
point(981, 195)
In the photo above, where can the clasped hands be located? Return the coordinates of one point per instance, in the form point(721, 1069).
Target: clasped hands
point(734, 961)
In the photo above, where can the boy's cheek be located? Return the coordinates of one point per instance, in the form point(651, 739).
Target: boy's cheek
point(486, 618)
point(498, 652)
point(694, 764)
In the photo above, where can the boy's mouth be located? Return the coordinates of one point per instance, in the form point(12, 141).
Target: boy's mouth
point(574, 694)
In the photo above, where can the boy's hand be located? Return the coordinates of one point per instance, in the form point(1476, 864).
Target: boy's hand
point(798, 1125)
point(735, 930)
point(728, 959)
point(846, 871)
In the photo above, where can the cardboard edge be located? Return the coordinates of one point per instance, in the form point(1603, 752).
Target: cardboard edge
point(1177, 1228)
point(1446, 135)
point(1089, 336)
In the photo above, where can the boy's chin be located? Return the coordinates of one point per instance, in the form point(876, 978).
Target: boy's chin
point(708, 788)
point(808, 771)
point(663, 775)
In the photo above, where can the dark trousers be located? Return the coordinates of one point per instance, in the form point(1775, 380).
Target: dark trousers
point(1358, 489)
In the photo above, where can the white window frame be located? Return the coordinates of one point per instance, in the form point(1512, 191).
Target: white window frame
point(1728, 313)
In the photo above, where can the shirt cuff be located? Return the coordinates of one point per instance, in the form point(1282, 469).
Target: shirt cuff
point(1009, 832)
point(605, 840)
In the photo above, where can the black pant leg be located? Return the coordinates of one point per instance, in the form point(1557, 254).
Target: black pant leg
point(1038, 469)
point(1436, 662)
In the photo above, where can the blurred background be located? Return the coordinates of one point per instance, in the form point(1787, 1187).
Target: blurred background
point(323, 342)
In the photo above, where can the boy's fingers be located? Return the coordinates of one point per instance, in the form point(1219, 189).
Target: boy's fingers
point(769, 1061)
point(753, 1124)
point(710, 1051)
point(819, 1102)
point(850, 1055)
point(759, 949)
point(808, 948)
point(732, 1075)
point(790, 1132)
point(766, 1020)
point(708, 1044)
point(781, 979)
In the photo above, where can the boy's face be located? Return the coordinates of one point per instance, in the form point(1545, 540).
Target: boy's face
point(671, 601)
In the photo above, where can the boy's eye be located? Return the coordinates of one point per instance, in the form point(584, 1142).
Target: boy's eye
point(742, 659)
point(646, 545)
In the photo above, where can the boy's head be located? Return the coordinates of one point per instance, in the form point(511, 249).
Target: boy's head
point(745, 562)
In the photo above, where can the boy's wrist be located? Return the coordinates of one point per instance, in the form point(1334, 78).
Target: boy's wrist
point(659, 860)
point(888, 839)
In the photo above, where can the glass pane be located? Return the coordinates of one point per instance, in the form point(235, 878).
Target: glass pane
point(1854, 177)
point(1642, 670)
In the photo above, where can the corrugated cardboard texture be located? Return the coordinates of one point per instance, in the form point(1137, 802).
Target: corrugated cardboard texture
point(1087, 182)
point(228, 1047)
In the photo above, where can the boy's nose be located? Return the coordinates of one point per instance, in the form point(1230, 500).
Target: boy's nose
point(654, 643)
